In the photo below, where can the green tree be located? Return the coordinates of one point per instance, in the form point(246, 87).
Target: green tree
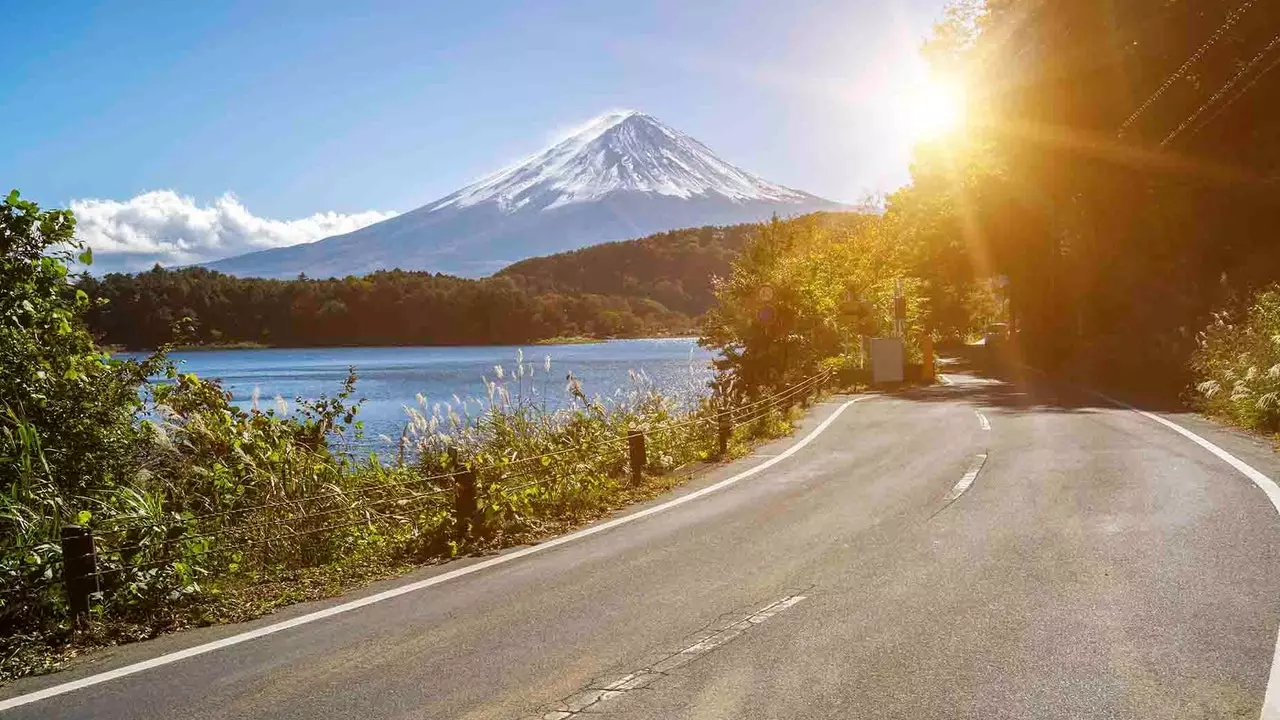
point(804, 291)
point(76, 405)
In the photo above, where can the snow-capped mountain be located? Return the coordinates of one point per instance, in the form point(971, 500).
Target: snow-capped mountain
point(623, 175)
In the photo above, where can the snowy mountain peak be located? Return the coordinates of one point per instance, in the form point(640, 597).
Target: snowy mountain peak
point(618, 151)
point(622, 175)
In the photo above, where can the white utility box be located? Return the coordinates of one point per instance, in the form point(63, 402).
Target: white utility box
point(888, 360)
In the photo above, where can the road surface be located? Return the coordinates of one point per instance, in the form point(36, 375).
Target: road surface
point(975, 550)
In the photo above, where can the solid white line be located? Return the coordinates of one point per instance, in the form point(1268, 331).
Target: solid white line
point(1271, 700)
point(967, 480)
point(419, 585)
point(982, 420)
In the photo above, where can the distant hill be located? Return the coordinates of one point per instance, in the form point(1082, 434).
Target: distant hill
point(673, 268)
point(624, 175)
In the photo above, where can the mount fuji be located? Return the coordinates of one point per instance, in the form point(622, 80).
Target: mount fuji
point(624, 175)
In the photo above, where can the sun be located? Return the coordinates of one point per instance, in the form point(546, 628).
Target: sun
point(931, 110)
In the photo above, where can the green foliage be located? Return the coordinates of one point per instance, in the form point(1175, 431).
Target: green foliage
point(672, 269)
point(193, 500)
point(1237, 365)
point(804, 291)
point(54, 381)
point(650, 286)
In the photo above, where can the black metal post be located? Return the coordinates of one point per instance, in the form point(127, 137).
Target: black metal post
point(464, 501)
point(635, 443)
point(79, 568)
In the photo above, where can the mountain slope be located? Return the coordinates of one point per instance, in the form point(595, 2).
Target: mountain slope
point(622, 176)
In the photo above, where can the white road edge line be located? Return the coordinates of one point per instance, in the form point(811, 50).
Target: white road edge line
point(982, 420)
point(1271, 700)
point(63, 688)
point(970, 475)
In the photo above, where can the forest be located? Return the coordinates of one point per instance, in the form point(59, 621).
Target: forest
point(658, 285)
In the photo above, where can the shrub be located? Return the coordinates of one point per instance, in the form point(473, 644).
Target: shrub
point(1237, 365)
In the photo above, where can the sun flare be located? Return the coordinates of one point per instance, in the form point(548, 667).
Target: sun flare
point(932, 110)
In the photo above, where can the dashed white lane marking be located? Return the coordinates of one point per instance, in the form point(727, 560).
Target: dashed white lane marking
point(982, 420)
point(1271, 700)
point(588, 700)
point(969, 476)
point(311, 617)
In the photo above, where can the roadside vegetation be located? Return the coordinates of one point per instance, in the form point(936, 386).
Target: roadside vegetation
point(203, 512)
point(1107, 251)
point(1237, 365)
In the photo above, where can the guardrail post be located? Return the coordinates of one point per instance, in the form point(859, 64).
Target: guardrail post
point(464, 501)
point(79, 568)
point(724, 428)
point(635, 443)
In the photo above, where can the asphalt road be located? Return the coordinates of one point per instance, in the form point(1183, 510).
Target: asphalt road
point(1097, 565)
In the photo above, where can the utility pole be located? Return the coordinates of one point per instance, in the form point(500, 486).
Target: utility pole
point(899, 310)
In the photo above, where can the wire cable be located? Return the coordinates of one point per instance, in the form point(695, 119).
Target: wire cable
point(1239, 94)
point(1221, 91)
point(1232, 17)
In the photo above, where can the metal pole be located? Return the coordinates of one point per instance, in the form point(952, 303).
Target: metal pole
point(79, 568)
point(635, 443)
point(464, 502)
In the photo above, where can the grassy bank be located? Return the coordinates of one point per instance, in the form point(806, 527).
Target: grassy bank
point(243, 512)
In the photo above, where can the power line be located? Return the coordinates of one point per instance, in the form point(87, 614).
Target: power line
point(1221, 91)
point(1232, 17)
point(1239, 94)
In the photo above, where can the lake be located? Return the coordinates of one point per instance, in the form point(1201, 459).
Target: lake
point(390, 378)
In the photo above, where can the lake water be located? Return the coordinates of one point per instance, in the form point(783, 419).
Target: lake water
point(390, 378)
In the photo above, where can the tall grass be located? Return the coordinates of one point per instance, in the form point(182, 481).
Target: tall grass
point(1237, 365)
point(226, 500)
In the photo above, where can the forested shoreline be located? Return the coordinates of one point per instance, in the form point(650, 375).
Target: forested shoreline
point(654, 286)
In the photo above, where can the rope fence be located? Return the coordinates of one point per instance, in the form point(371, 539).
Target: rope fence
point(471, 487)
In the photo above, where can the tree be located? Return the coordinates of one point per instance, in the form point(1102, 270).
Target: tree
point(804, 291)
point(67, 410)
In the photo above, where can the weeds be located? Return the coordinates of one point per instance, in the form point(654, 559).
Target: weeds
point(232, 512)
point(1237, 365)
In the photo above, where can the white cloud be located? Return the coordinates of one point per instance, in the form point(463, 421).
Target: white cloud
point(167, 228)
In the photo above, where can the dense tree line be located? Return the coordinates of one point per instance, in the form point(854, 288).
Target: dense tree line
point(385, 308)
point(656, 285)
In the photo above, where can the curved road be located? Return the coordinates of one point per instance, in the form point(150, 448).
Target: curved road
point(976, 550)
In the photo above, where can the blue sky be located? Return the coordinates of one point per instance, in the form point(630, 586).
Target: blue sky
point(301, 108)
